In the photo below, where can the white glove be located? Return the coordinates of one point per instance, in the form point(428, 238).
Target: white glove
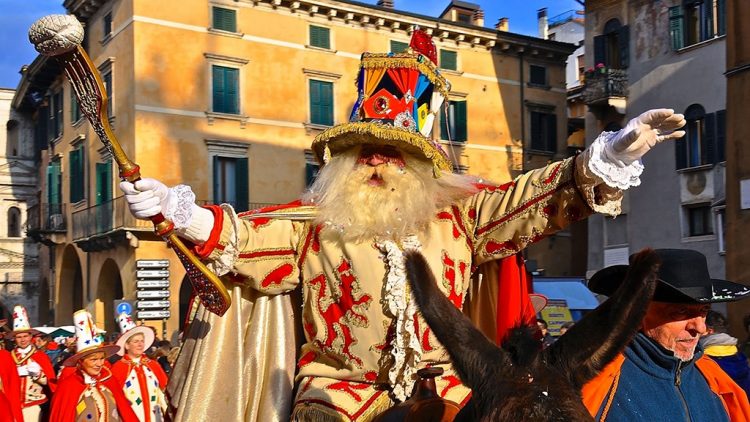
point(23, 371)
point(146, 198)
point(642, 133)
point(34, 369)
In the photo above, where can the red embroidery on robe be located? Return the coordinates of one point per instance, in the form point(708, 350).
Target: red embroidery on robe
point(494, 247)
point(341, 310)
point(307, 358)
point(452, 381)
point(349, 388)
point(455, 295)
point(552, 175)
point(445, 215)
point(277, 276)
point(424, 336)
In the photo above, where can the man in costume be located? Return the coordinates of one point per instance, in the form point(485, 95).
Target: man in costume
point(385, 187)
point(90, 392)
point(33, 366)
point(663, 373)
point(142, 379)
point(10, 387)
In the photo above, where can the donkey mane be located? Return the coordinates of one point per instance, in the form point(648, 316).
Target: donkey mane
point(518, 381)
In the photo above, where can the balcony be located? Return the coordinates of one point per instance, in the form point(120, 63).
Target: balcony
point(105, 225)
point(607, 87)
point(46, 218)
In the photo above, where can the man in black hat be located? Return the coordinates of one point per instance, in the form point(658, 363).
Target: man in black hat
point(663, 374)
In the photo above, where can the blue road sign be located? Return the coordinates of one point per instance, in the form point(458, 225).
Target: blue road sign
point(125, 307)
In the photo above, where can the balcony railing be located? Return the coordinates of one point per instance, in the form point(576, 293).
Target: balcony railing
point(46, 218)
point(605, 85)
point(104, 218)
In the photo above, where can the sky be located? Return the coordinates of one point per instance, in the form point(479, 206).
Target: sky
point(18, 15)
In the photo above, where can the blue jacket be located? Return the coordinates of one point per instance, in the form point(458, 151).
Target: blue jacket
point(656, 386)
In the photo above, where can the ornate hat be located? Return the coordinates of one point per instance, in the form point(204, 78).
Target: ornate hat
point(129, 329)
point(683, 278)
point(399, 96)
point(20, 323)
point(88, 339)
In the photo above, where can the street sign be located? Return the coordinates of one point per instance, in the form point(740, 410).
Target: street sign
point(153, 314)
point(141, 304)
point(150, 284)
point(152, 263)
point(123, 306)
point(152, 274)
point(152, 294)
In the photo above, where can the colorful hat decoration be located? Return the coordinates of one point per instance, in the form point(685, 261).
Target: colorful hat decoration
point(399, 96)
point(88, 339)
point(20, 323)
point(128, 329)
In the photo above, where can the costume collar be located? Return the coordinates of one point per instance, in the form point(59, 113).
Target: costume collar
point(25, 350)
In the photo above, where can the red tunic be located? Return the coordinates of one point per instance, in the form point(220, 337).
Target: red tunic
point(10, 386)
point(122, 369)
point(42, 359)
point(70, 392)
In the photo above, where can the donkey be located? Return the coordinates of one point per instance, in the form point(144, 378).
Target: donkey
point(518, 381)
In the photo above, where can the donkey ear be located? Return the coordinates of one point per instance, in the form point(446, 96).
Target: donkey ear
point(595, 340)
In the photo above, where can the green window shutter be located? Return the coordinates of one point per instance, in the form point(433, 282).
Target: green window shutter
point(103, 182)
point(224, 19)
point(242, 185)
point(721, 135)
point(677, 28)
point(444, 116)
point(53, 187)
point(398, 46)
point(320, 37)
point(680, 153)
point(225, 81)
point(321, 102)
point(448, 60)
point(75, 111)
point(75, 169)
point(217, 180)
point(460, 121)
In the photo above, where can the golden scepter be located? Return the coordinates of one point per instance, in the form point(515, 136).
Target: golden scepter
point(60, 36)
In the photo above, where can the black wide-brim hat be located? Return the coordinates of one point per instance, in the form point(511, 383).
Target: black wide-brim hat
point(683, 278)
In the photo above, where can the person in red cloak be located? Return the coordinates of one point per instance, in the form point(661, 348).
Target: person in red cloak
point(10, 386)
point(141, 379)
point(91, 393)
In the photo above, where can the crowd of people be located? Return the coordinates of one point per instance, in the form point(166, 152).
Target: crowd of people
point(83, 377)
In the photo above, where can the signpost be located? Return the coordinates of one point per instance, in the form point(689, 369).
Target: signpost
point(152, 290)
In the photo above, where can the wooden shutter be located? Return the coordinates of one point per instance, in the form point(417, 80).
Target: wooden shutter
point(103, 182)
point(708, 146)
point(217, 73)
point(680, 153)
point(460, 121)
point(600, 50)
point(320, 37)
point(217, 182)
point(225, 89)
point(721, 17)
point(623, 41)
point(76, 175)
point(448, 60)
point(321, 103)
point(241, 182)
point(721, 135)
point(225, 19)
point(398, 46)
point(53, 187)
point(677, 28)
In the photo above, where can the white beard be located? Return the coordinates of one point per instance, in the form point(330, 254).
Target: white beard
point(404, 204)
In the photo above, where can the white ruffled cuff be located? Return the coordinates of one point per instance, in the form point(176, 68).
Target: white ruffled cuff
point(191, 222)
point(613, 172)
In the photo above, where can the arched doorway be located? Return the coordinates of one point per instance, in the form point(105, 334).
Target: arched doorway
point(69, 288)
point(108, 289)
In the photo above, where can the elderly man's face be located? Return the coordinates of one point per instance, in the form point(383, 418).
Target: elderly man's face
point(375, 155)
point(676, 327)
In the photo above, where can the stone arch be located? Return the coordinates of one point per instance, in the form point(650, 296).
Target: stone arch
point(14, 222)
point(69, 287)
point(108, 289)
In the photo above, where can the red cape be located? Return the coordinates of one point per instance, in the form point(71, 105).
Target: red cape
point(121, 369)
point(10, 392)
point(71, 387)
point(43, 360)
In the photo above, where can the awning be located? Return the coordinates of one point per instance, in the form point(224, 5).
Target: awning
point(572, 290)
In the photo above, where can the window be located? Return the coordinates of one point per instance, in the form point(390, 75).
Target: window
point(612, 47)
point(321, 102)
point(543, 131)
point(225, 89)
point(54, 187)
point(107, 25)
point(320, 37)
point(537, 75)
point(231, 182)
point(311, 172)
point(56, 115)
point(77, 161)
point(448, 60)
point(705, 138)
point(695, 21)
point(14, 222)
point(224, 19)
point(699, 220)
point(75, 110)
point(463, 17)
point(453, 124)
point(398, 46)
point(581, 66)
point(103, 182)
point(721, 227)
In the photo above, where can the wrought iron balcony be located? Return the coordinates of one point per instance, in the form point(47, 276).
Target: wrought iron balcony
point(46, 218)
point(105, 218)
point(606, 87)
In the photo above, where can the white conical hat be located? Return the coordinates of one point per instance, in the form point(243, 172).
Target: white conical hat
point(20, 322)
point(88, 338)
point(128, 329)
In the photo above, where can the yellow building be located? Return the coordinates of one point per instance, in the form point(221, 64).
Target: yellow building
point(226, 96)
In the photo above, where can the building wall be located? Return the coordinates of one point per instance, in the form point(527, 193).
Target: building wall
point(160, 59)
point(659, 77)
